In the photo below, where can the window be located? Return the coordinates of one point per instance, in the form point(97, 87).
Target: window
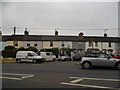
point(28, 44)
point(96, 44)
point(90, 44)
point(35, 44)
point(109, 44)
point(47, 53)
point(51, 43)
point(30, 54)
point(90, 55)
point(16, 43)
point(62, 44)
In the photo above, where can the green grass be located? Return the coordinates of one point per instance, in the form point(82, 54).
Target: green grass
point(7, 60)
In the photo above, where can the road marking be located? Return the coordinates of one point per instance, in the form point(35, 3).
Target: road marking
point(10, 78)
point(22, 76)
point(83, 85)
point(96, 79)
point(75, 81)
point(78, 79)
point(27, 76)
point(14, 74)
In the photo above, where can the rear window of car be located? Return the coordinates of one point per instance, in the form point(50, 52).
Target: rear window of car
point(90, 55)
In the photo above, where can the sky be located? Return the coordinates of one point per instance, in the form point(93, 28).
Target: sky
point(68, 18)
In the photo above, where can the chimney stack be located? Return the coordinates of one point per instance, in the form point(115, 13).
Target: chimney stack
point(56, 33)
point(26, 32)
point(81, 35)
point(105, 34)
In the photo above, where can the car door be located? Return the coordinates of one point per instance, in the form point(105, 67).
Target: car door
point(92, 58)
point(105, 60)
point(47, 56)
point(29, 57)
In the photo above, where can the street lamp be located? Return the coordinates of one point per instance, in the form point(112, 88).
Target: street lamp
point(14, 41)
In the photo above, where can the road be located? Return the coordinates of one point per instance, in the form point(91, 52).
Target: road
point(63, 74)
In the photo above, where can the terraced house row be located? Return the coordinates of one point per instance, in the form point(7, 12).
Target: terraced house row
point(80, 42)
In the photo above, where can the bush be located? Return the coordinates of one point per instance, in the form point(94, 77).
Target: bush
point(8, 52)
point(32, 49)
point(67, 50)
point(21, 49)
point(9, 48)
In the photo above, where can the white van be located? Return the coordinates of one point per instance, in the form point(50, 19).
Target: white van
point(49, 56)
point(28, 56)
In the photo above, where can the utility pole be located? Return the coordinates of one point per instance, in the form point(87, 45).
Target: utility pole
point(14, 41)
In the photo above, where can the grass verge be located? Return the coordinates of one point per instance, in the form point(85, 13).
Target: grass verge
point(7, 60)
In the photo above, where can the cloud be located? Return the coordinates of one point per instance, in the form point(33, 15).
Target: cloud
point(70, 15)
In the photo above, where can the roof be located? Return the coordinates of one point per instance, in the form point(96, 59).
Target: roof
point(59, 38)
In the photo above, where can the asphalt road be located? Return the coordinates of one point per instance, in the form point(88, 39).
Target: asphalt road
point(64, 74)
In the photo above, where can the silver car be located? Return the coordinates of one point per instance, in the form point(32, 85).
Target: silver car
point(91, 59)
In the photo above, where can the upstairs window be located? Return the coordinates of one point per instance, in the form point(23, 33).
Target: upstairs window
point(96, 44)
point(51, 43)
point(109, 44)
point(28, 45)
point(62, 44)
point(35, 44)
point(90, 44)
point(16, 43)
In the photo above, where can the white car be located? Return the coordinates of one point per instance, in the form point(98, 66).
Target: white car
point(99, 59)
point(28, 56)
point(48, 56)
point(64, 58)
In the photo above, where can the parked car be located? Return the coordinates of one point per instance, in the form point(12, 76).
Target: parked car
point(28, 56)
point(49, 56)
point(116, 55)
point(64, 58)
point(99, 59)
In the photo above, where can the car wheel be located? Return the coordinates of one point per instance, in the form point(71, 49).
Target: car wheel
point(118, 66)
point(18, 61)
point(54, 59)
point(34, 61)
point(87, 65)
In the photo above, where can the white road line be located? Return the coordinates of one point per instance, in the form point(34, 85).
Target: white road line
point(75, 81)
point(23, 76)
point(10, 78)
point(14, 74)
point(27, 76)
point(96, 79)
point(83, 85)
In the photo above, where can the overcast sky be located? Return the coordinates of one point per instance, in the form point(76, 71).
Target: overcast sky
point(69, 18)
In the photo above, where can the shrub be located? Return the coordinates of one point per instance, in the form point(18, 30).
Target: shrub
point(9, 51)
point(32, 49)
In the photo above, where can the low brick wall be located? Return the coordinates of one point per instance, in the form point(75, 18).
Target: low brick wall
point(7, 60)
